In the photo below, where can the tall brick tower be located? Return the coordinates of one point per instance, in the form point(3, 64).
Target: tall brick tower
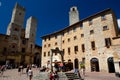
point(73, 15)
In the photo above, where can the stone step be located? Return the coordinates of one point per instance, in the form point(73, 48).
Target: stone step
point(62, 76)
point(45, 76)
point(72, 76)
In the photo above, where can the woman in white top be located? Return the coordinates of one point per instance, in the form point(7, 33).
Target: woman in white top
point(30, 73)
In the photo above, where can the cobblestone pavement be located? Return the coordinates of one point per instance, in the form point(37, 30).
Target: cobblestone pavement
point(14, 75)
point(100, 76)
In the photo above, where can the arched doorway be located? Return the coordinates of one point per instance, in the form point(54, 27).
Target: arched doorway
point(94, 64)
point(76, 63)
point(111, 67)
point(37, 59)
point(69, 65)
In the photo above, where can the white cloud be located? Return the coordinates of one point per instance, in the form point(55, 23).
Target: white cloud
point(118, 20)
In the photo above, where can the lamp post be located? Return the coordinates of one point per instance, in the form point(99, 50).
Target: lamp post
point(56, 50)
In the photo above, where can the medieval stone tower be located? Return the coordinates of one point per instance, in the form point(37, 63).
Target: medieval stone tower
point(15, 26)
point(31, 33)
point(17, 19)
point(73, 15)
point(21, 46)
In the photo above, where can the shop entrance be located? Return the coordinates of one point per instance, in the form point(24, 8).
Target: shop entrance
point(111, 67)
point(76, 64)
point(94, 64)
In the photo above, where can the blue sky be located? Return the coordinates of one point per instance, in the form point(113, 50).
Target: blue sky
point(53, 15)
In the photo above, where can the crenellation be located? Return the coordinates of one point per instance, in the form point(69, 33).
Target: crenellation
point(19, 7)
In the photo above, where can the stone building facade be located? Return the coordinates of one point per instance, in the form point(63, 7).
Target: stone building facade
point(18, 46)
point(94, 40)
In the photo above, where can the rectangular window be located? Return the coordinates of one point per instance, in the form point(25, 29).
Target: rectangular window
point(81, 25)
point(68, 39)
point(63, 34)
point(44, 39)
point(55, 36)
point(76, 48)
point(48, 45)
point(44, 46)
point(4, 49)
point(16, 29)
point(82, 35)
point(49, 38)
point(107, 42)
point(49, 53)
point(55, 43)
point(63, 41)
point(75, 37)
point(68, 31)
point(44, 54)
point(90, 22)
point(93, 45)
point(83, 48)
point(74, 29)
point(105, 28)
point(69, 50)
point(103, 17)
point(24, 42)
point(23, 50)
point(91, 32)
point(83, 59)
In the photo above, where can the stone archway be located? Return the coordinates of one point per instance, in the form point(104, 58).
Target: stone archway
point(56, 50)
point(111, 67)
point(76, 63)
point(37, 59)
point(94, 64)
point(69, 65)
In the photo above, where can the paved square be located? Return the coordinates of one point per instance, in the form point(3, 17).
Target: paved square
point(14, 75)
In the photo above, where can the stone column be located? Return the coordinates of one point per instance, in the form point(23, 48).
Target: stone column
point(117, 67)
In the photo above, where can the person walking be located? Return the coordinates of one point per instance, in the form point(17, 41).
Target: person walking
point(19, 70)
point(30, 73)
point(82, 68)
point(56, 66)
point(2, 69)
point(27, 69)
point(22, 68)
